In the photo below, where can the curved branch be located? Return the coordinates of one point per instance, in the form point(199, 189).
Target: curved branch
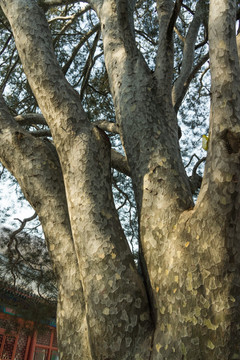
point(89, 64)
point(69, 23)
point(119, 162)
point(78, 47)
point(21, 227)
point(198, 163)
point(183, 81)
point(182, 38)
point(187, 82)
point(70, 17)
point(195, 179)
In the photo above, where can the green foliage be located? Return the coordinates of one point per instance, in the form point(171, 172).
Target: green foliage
point(24, 262)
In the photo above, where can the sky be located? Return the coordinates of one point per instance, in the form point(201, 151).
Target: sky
point(13, 206)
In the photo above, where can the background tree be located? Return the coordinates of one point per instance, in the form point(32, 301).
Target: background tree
point(186, 303)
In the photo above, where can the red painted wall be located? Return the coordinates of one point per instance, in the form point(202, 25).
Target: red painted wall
point(18, 340)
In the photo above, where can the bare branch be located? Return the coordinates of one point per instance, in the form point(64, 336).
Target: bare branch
point(10, 70)
point(146, 37)
point(78, 47)
point(182, 38)
point(190, 160)
point(202, 43)
point(188, 9)
point(198, 163)
point(201, 82)
point(47, 4)
point(30, 119)
point(195, 179)
point(6, 43)
point(174, 16)
point(119, 162)
point(2, 171)
point(186, 74)
point(107, 126)
point(124, 194)
point(89, 64)
point(38, 119)
point(187, 82)
point(12, 239)
point(70, 22)
point(41, 133)
point(21, 227)
point(70, 17)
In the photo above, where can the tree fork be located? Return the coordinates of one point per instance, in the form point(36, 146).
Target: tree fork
point(99, 241)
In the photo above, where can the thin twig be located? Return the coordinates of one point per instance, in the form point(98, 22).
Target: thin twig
point(191, 158)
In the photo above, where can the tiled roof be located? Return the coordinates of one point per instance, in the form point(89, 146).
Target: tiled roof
point(26, 305)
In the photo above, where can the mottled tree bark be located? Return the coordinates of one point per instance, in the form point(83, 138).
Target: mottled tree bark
point(187, 305)
point(43, 187)
point(118, 318)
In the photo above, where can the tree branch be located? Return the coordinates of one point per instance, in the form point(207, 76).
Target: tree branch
point(176, 10)
point(44, 188)
point(53, 85)
point(167, 14)
point(6, 44)
point(41, 133)
point(30, 119)
point(119, 162)
point(187, 82)
point(38, 119)
point(78, 47)
point(108, 126)
point(69, 23)
point(10, 69)
point(21, 227)
point(181, 84)
point(89, 64)
point(47, 4)
point(195, 179)
point(224, 58)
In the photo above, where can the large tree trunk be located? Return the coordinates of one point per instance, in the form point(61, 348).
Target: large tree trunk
point(43, 187)
point(118, 318)
point(190, 255)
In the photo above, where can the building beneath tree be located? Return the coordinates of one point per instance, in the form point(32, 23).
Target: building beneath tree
point(27, 299)
point(27, 326)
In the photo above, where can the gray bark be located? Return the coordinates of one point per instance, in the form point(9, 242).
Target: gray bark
point(118, 318)
point(43, 187)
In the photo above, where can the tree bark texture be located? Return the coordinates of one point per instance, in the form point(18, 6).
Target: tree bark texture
point(187, 306)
